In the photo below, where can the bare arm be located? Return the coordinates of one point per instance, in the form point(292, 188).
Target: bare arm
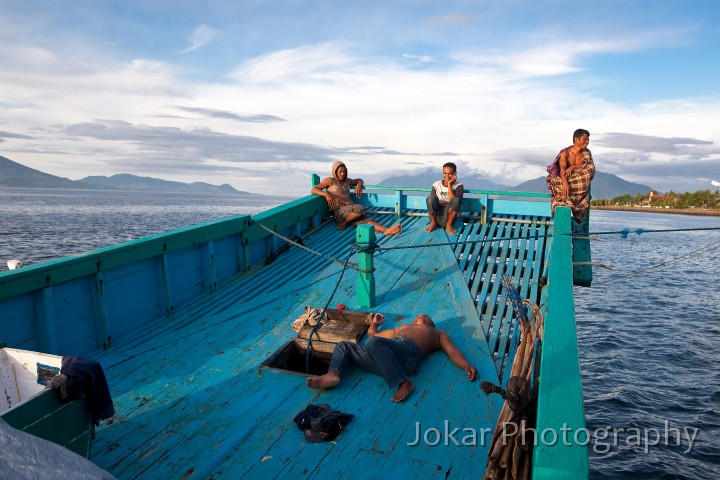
point(320, 188)
point(451, 192)
point(563, 163)
point(358, 184)
point(377, 320)
point(456, 356)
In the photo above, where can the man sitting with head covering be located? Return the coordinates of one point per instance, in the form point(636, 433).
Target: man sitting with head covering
point(336, 190)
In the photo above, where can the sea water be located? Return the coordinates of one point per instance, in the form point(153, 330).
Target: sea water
point(648, 329)
point(42, 224)
point(648, 333)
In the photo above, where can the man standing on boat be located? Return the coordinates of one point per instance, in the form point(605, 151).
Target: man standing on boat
point(445, 200)
point(336, 190)
point(393, 354)
point(569, 176)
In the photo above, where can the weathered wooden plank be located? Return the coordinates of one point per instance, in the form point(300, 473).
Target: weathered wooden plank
point(560, 402)
point(67, 424)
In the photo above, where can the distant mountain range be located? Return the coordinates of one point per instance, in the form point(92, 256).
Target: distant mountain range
point(604, 185)
point(13, 174)
point(125, 181)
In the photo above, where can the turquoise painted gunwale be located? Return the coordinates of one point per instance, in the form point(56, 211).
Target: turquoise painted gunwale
point(30, 293)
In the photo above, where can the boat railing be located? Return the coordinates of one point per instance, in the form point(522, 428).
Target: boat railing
point(408, 200)
point(112, 291)
point(562, 437)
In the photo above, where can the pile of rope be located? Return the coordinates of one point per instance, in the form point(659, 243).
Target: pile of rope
point(509, 454)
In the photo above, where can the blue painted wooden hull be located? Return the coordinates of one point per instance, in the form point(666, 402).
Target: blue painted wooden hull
point(181, 322)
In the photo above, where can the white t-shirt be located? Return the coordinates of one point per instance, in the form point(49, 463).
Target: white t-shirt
point(441, 191)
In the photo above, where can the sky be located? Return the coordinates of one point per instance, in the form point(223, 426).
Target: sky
point(261, 94)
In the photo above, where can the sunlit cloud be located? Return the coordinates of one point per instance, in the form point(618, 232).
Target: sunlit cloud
point(201, 37)
point(442, 83)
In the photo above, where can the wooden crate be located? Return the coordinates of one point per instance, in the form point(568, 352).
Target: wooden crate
point(341, 325)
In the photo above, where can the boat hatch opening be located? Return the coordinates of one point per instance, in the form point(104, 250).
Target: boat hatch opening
point(292, 358)
point(335, 326)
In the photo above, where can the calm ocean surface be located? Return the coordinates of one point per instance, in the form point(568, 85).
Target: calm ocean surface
point(42, 224)
point(648, 336)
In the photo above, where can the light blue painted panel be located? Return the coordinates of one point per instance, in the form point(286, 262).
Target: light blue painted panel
point(186, 275)
point(74, 311)
point(132, 297)
point(227, 263)
point(500, 206)
point(17, 323)
point(258, 251)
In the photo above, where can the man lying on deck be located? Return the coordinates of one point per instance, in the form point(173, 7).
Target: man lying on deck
point(393, 354)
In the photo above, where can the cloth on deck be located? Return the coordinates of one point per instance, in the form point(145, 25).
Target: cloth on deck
point(320, 423)
point(87, 376)
point(578, 198)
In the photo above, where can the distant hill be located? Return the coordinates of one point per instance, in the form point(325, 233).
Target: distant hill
point(428, 176)
point(604, 185)
point(124, 181)
point(13, 174)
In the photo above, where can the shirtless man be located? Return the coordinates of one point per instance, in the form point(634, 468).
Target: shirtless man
point(336, 190)
point(393, 354)
point(572, 158)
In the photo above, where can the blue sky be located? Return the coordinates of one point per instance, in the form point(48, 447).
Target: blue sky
point(260, 94)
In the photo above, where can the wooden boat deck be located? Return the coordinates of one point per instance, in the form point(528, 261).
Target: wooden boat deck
point(191, 401)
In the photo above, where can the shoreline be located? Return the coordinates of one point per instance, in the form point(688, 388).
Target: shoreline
point(674, 211)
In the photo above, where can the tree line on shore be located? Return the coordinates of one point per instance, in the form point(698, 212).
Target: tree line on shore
point(700, 199)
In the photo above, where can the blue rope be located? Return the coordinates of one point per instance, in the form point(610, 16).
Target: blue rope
point(533, 367)
point(626, 231)
point(623, 233)
point(500, 239)
point(519, 309)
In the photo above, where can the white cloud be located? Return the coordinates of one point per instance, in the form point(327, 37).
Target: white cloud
point(201, 37)
point(298, 106)
point(315, 61)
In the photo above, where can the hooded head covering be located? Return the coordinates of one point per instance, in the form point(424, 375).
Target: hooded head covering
point(337, 164)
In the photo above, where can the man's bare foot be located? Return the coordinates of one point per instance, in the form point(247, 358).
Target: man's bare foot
point(329, 380)
point(342, 225)
point(403, 391)
point(393, 230)
point(451, 230)
point(431, 227)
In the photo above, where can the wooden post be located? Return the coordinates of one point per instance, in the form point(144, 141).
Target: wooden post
point(582, 272)
point(366, 277)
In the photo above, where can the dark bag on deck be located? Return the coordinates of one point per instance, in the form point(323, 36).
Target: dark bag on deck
point(320, 423)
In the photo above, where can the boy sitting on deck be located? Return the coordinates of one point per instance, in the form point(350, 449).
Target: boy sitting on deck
point(336, 191)
point(393, 354)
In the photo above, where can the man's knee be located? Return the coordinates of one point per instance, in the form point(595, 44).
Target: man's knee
point(433, 204)
point(455, 204)
point(344, 347)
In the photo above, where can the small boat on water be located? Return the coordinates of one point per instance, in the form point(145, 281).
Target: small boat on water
point(193, 328)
